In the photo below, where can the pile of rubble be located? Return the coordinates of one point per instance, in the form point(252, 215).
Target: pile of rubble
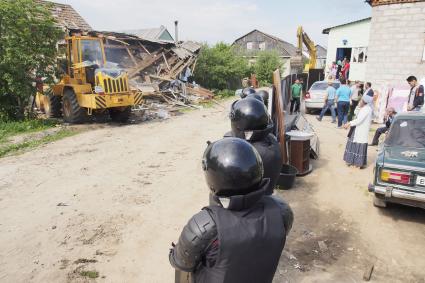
point(159, 69)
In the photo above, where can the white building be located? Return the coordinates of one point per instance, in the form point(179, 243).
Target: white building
point(351, 41)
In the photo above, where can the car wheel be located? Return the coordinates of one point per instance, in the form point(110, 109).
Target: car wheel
point(307, 110)
point(378, 202)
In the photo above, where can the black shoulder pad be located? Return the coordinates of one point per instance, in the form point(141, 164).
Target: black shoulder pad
point(194, 241)
point(287, 214)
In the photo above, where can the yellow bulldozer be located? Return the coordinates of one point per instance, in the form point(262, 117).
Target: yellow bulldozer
point(90, 85)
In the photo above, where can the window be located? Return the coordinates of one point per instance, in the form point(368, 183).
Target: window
point(359, 55)
point(407, 133)
point(323, 86)
point(91, 52)
point(262, 45)
point(249, 45)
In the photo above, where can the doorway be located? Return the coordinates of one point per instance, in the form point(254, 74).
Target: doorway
point(342, 53)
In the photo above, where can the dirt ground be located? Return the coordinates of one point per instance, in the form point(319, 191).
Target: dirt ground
point(109, 202)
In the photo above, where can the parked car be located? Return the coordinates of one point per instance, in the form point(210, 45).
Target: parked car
point(400, 165)
point(315, 97)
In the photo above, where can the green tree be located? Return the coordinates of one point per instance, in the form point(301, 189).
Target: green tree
point(219, 67)
point(28, 38)
point(267, 62)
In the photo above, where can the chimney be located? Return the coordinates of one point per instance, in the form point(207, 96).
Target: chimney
point(176, 32)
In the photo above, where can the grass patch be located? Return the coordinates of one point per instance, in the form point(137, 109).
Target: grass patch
point(90, 274)
point(8, 129)
point(14, 148)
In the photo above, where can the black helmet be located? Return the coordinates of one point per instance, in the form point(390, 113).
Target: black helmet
point(264, 95)
point(232, 167)
point(256, 96)
point(250, 119)
point(247, 91)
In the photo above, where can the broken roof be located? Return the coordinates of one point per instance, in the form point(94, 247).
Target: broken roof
point(290, 49)
point(374, 3)
point(327, 30)
point(152, 33)
point(65, 15)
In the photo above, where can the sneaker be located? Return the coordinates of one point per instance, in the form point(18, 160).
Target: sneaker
point(318, 119)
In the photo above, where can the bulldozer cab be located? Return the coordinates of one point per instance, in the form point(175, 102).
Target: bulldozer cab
point(85, 54)
point(87, 65)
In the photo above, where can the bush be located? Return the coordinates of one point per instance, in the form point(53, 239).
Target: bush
point(220, 68)
point(266, 63)
point(28, 38)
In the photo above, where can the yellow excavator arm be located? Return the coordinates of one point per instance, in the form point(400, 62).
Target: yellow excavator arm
point(303, 38)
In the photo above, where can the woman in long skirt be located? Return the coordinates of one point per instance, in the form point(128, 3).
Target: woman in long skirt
point(356, 148)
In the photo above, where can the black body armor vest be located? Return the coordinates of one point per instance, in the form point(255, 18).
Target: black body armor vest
point(250, 244)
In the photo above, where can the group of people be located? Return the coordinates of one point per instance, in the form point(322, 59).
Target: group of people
point(357, 144)
point(240, 235)
point(346, 98)
point(339, 69)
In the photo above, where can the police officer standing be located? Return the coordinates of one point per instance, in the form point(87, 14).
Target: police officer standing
point(250, 121)
point(240, 238)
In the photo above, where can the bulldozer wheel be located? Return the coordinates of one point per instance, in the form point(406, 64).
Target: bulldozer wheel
point(72, 111)
point(53, 105)
point(120, 116)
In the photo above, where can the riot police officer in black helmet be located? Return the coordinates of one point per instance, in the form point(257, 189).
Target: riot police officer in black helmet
point(241, 236)
point(256, 96)
point(264, 95)
point(247, 91)
point(251, 121)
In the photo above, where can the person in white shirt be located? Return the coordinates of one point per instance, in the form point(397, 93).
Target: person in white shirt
point(356, 148)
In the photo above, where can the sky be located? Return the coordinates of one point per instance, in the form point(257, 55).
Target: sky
point(214, 21)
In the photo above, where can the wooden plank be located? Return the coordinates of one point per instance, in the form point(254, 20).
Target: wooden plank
point(143, 65)
point(144, 48)
point(277, 94)
point(131, 56)
point(194, 65)
point(166, 63)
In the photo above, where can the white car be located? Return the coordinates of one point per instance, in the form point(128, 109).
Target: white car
point(315, 97)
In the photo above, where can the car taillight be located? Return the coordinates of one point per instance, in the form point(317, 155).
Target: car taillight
point(307, 95)
point(395, 177)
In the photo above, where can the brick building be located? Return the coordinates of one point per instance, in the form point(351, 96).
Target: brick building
point(397, 41)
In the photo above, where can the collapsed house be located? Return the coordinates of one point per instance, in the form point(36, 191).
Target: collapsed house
point(161, 69)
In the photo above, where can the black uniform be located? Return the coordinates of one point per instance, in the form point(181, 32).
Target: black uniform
point(269, 149)
point(240, 236)
point(252, 117)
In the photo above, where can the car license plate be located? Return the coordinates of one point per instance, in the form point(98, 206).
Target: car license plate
point(420, 181)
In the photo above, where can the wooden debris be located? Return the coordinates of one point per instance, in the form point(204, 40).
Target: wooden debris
point(367, 275)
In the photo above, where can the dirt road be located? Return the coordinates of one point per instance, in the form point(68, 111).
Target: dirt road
point(109, 202)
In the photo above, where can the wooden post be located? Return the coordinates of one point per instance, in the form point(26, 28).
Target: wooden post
point(166, 62)
point(280, 116)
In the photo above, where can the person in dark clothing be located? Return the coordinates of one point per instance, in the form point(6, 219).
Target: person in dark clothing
point(389, 117)
point(416, 97)
point(247, 91)
point(241, 236)
point(251, 122)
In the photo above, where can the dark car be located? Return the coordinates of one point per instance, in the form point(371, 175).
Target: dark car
point(400, 165)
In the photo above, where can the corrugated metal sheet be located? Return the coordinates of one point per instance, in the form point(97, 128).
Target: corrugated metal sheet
point(191, 46)
point(186, 49)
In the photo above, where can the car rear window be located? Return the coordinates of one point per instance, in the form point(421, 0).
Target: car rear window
point(323, 86)
point(407, 132)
